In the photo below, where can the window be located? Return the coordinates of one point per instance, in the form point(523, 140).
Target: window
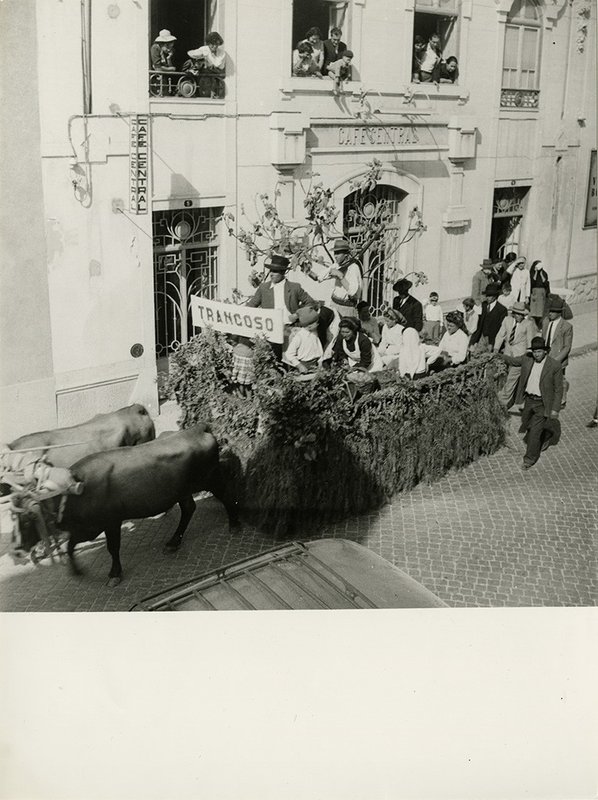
point(323, 15)
point(521, 60)
point(436, 41)
point(177, 26)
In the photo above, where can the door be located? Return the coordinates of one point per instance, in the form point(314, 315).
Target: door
point(508, 212)
point(380, 262)
point(185, 263)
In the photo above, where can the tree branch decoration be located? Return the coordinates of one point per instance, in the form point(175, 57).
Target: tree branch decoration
point(308, 242)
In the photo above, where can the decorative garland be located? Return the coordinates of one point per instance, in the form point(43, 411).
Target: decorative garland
point(310, 453)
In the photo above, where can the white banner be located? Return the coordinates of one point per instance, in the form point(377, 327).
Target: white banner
point(239, 320)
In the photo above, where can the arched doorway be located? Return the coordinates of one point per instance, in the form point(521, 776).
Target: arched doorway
point(380, 262)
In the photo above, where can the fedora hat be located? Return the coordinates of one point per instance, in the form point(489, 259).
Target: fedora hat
point(518, 308)
point(402, 285)
point(165, 36)
point(487, 263)
point(277, 263)
point(538, 343)
point(341, 246)
point(556, 303)
point(492, 290)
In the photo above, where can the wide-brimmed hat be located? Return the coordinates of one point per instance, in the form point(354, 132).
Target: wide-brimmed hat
point(538, 343)
point(556, 303)
point(277, 263)
point(165, 36)
point(487, 263)
point(518, 308)
point(402, 285)
point(307, 315)
point(341, 246)
point(492, 290)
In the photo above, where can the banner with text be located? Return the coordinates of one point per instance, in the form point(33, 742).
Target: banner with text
point(239, 320)
point(138, 163)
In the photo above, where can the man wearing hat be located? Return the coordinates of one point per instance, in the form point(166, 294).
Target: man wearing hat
point(558, 335)
point(540, 389)
point(305, 351)
point(407, 305)
point(278, 292)
point(515, 335)
point(347, 280)
point(481, 279)
point(162, 51)
point(490, 319)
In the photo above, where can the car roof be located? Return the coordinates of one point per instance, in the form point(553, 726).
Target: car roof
point(321, 574)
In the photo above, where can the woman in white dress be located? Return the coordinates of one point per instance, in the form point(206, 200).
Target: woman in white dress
point(454, 344)
point(392, 337)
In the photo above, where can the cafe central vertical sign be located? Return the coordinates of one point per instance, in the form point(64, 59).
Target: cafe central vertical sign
point(138, 163)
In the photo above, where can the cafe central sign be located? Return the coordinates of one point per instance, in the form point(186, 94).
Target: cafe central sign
point(138, 163)
point(380, 135)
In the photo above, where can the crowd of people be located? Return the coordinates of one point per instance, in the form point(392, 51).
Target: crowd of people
point(314, 57)
point(428, 64)
point(511, 311)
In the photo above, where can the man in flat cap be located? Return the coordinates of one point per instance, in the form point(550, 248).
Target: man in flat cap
point(558, 335)
point(407, 305)
point(490, 319)
point(515, 336)
point(540, 389)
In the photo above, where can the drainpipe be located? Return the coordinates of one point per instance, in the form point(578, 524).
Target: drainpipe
point(567, 69)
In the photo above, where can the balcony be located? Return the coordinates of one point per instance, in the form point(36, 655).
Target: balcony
point(520, 98)
point(192, 83)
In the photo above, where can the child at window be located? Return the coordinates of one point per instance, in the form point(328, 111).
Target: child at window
point(340, 71)
point(433, 319)
point(303, 64)
point(432, 55)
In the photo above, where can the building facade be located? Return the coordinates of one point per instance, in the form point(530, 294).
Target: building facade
point(122, 173)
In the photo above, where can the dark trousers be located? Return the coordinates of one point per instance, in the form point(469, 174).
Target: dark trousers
point(534, 420)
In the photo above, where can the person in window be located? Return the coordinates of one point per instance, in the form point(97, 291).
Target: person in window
point(162, 52)
point(314, 38)
point(303, 63)
point(340, 71)
point(431, 57)
point(419, 48)
point(333, 48)
point(211, 55)
point(447, 71)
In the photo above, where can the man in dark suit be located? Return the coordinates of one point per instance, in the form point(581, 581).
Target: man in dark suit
point(558, 335)
point(407, 305)
point(540, 388)
point(278, 292)
point(490, 319)
point(333, 48)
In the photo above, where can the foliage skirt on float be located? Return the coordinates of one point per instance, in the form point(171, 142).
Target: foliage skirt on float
point(307, 452)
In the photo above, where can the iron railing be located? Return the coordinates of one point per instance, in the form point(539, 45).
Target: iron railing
point(187, 84)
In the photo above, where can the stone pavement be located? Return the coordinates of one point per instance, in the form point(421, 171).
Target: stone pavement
point(487, 535)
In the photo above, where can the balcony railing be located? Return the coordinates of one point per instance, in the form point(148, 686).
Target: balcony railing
point(187, 84)
point(519, 98)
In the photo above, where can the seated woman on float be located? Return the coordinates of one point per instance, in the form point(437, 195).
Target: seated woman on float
point(392, 336)
point(415, 356)
point(454, 343)
point(353, 348)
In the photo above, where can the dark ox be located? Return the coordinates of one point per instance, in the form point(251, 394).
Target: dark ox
point(142, 481)
point(123, 428)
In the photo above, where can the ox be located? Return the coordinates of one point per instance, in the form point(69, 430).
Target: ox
point(123, 428)
point(143, 481)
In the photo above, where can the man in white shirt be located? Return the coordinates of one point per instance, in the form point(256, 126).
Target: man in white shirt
point(347, 280)
point(540, 387)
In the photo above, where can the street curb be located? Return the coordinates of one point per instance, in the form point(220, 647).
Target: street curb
point(583, 349)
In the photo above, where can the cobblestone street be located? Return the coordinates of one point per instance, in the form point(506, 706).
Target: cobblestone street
point(488, 535)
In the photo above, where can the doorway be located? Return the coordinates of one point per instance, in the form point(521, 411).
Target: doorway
point(508, 213)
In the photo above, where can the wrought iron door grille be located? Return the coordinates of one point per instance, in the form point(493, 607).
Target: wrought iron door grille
point(185, 263)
